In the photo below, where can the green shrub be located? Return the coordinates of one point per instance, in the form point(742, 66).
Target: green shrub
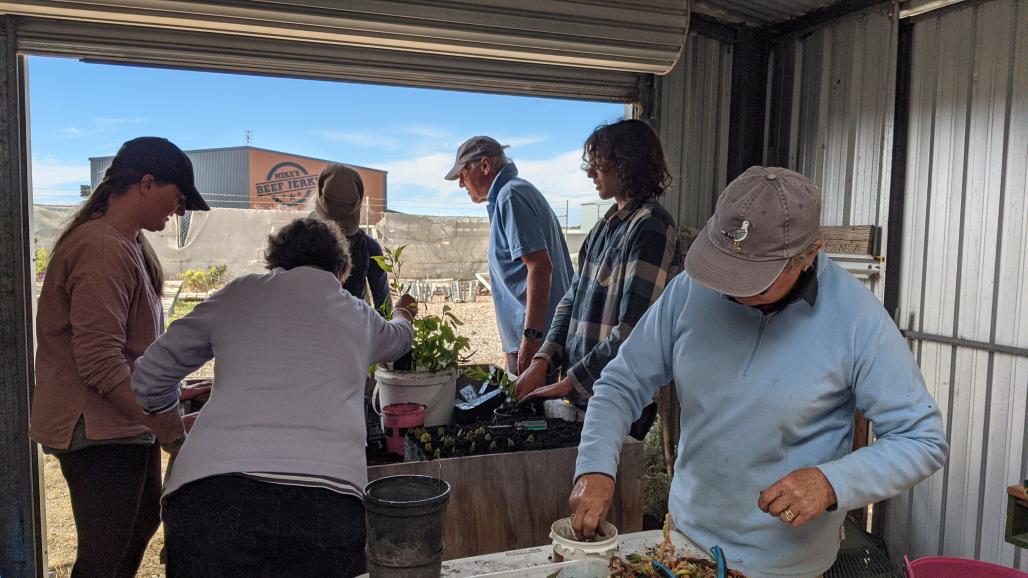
point(205, 281)
point(656, 483)
point(42, 261)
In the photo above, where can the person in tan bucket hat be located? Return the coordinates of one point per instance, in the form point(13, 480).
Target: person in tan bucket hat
point(771, 347)
point(340, 199)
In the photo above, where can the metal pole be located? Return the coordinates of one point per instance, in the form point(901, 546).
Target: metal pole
point(21, 521)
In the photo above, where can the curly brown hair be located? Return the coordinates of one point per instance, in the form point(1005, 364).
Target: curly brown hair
point(631, 150)
point(309, 243)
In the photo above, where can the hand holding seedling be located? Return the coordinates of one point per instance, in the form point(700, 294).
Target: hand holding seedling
point(408, 305)
point(559, 389)
point(188, 392)
point(532, 379)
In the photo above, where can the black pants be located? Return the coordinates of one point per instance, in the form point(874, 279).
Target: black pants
point(238, 526)
point(115, 497)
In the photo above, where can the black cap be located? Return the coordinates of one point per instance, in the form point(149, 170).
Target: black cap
point(160, 157)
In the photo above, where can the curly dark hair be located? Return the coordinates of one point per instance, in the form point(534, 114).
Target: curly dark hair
point(310, 243)
point(631, 150)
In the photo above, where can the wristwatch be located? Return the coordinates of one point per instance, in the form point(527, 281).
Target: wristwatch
point(533, 333)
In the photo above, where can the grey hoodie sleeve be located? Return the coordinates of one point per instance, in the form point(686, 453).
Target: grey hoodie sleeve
point(183, 349)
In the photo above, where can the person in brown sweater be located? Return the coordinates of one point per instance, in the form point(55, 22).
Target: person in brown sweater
point(100, 308)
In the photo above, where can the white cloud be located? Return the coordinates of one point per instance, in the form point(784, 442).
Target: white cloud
point(54, 182)
point(559, 178)
point(520, 141)
point(369, 140)
point(100, 124)
point(424, 172)
point(105, 121)
point(424, 130)
point(49, 173)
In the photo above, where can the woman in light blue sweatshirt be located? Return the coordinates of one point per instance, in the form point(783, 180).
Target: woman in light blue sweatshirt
point(270, 479)
point(772, 347)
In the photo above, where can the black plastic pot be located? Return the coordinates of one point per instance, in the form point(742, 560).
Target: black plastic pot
point(519, 412)
point(406, 516)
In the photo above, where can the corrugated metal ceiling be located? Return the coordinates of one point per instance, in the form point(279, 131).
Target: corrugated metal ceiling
point(758, 12)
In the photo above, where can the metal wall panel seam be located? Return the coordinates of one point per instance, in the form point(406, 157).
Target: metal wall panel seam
point(924, 350)
point(896, 528)
point(994, 72)
point(968, 401)
point(854, 103)
point(890, 66)
point(1014, 268)
point(724, 113)
point(817, 172)
point(796, 99)
point(940, 305)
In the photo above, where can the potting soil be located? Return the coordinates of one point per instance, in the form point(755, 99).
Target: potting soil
point(485, 438)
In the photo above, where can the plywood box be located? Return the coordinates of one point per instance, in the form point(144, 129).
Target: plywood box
point(508, 501)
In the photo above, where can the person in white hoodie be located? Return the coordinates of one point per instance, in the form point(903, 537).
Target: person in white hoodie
point(269, 480)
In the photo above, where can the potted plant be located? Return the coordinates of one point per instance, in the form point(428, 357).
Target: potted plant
point(428, 374)
point(510, 408)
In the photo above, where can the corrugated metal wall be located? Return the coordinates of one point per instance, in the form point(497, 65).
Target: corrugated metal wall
point(222, 175)
point(695, 101)
point(831, 115)
point(965, 272)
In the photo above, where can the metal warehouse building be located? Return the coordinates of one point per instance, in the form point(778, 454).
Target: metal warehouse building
point(248, 177)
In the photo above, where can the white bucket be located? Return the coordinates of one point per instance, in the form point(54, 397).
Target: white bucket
point(566, 548)
point(436, 391)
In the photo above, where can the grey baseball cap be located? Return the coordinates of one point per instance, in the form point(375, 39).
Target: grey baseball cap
point(474, 148)
point(763, 217)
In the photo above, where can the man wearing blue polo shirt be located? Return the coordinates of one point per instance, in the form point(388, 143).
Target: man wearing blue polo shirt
point(529, 265)
point(772, 347)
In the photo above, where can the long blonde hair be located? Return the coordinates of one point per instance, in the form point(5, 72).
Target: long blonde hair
point(116, 181)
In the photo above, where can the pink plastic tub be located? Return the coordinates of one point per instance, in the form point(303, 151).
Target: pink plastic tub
point(942, 567)
point(397, 418)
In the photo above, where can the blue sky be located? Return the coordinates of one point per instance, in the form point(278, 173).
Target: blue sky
point(81, 110)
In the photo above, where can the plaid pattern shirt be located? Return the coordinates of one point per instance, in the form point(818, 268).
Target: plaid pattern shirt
point(624, 265)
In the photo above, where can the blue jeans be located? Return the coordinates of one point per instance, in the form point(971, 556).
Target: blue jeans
point(236, 526)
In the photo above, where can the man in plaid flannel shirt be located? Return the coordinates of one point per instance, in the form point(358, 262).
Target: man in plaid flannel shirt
point(625, 263)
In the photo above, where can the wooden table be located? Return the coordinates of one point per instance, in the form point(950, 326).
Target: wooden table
point(507, 501)
point(542, 555)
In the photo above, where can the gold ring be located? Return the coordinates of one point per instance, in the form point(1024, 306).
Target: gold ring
point(788, 515)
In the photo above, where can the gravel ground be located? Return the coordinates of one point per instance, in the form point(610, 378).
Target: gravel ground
point(479, 326)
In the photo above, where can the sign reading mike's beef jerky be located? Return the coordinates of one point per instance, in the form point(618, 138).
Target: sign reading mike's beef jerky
point(288, 183)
